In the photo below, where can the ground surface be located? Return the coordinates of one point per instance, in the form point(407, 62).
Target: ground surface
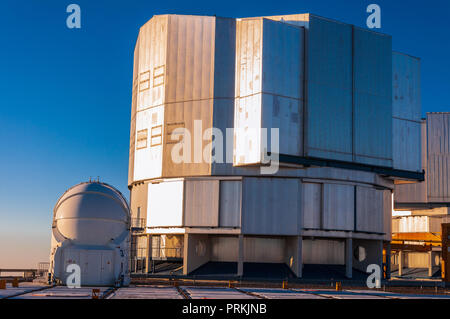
point(34, 291)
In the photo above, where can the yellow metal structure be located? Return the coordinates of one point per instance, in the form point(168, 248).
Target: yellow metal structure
point(445, 252)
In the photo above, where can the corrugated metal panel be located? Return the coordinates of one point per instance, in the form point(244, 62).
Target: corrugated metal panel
point(270, 206)
point(149, 87)
point(415, 192)
point(312, 205)
point(329, 81)
point(438, 172)
point(406, 112)
point(406, 145)
point(369, 210)
point(321, 251)
point(269, 75)
point(224, 248)
point(230, 203)
point(408, 224)
point(184, 62)
point(165, 204)
point(201, 203)
point(184, 115)
point(190, 58)
point(268, 250)
point(372, 98)
point(224, 91)
point(152, 62)
point(406, 94)
point(338, 207)
point(189, 90)
point(413, 224)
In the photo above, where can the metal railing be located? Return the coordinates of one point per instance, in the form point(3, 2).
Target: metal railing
point(163, 253)
point(137, 224)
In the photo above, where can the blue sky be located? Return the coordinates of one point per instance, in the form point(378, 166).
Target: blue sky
point(65, 94)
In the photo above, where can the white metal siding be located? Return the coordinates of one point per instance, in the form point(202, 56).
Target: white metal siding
point(269, 250)
point(230, 203)
point(338, 207)
point(372, 98)
point(329, 82)
point(438, 173)
point(165, 204)
point(269, 88)
point(201, 203)
point(415, 192)
point(406, 112)
point(321, 251)
point(369, 210)
point(270, 206)
point(312, 205)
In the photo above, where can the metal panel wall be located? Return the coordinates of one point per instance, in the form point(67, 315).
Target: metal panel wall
point(189, 91)
point(185, 67)
point(338, 207)
point(224, 248)
point(149, 152)
point(268, 250)
point(149, 88)
point(415, 192)
point(322, 251)
point(165, 204)
point(372, 69)
point(201, 203)
point(230, 203)
point(329, 87)
point(438, 172)
point(269, 88)
point(312, 205)
point(406, 112)
point(271, 206)
point(152, 62)
point(369, 210)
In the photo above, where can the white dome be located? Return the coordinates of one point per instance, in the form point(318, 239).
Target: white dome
point(91, 214)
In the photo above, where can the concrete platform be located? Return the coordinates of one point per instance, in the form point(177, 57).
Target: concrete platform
point(23, 288)
point(30, 291)
point(155, 292)
point(273, 293)
point(62, 292)
point(216, 293)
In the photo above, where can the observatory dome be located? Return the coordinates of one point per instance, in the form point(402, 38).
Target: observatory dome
point(91, 213)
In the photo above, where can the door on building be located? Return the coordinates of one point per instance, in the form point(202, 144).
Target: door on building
point(107, 269)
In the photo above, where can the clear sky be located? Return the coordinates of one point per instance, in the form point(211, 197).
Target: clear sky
point(65, 94)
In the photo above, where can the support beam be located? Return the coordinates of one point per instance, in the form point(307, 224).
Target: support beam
point(400, 263)
point(299, 268)
point(430, 264)
point(240, 266)
point(148, 257)
point(348, 257)
point(388, 260)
